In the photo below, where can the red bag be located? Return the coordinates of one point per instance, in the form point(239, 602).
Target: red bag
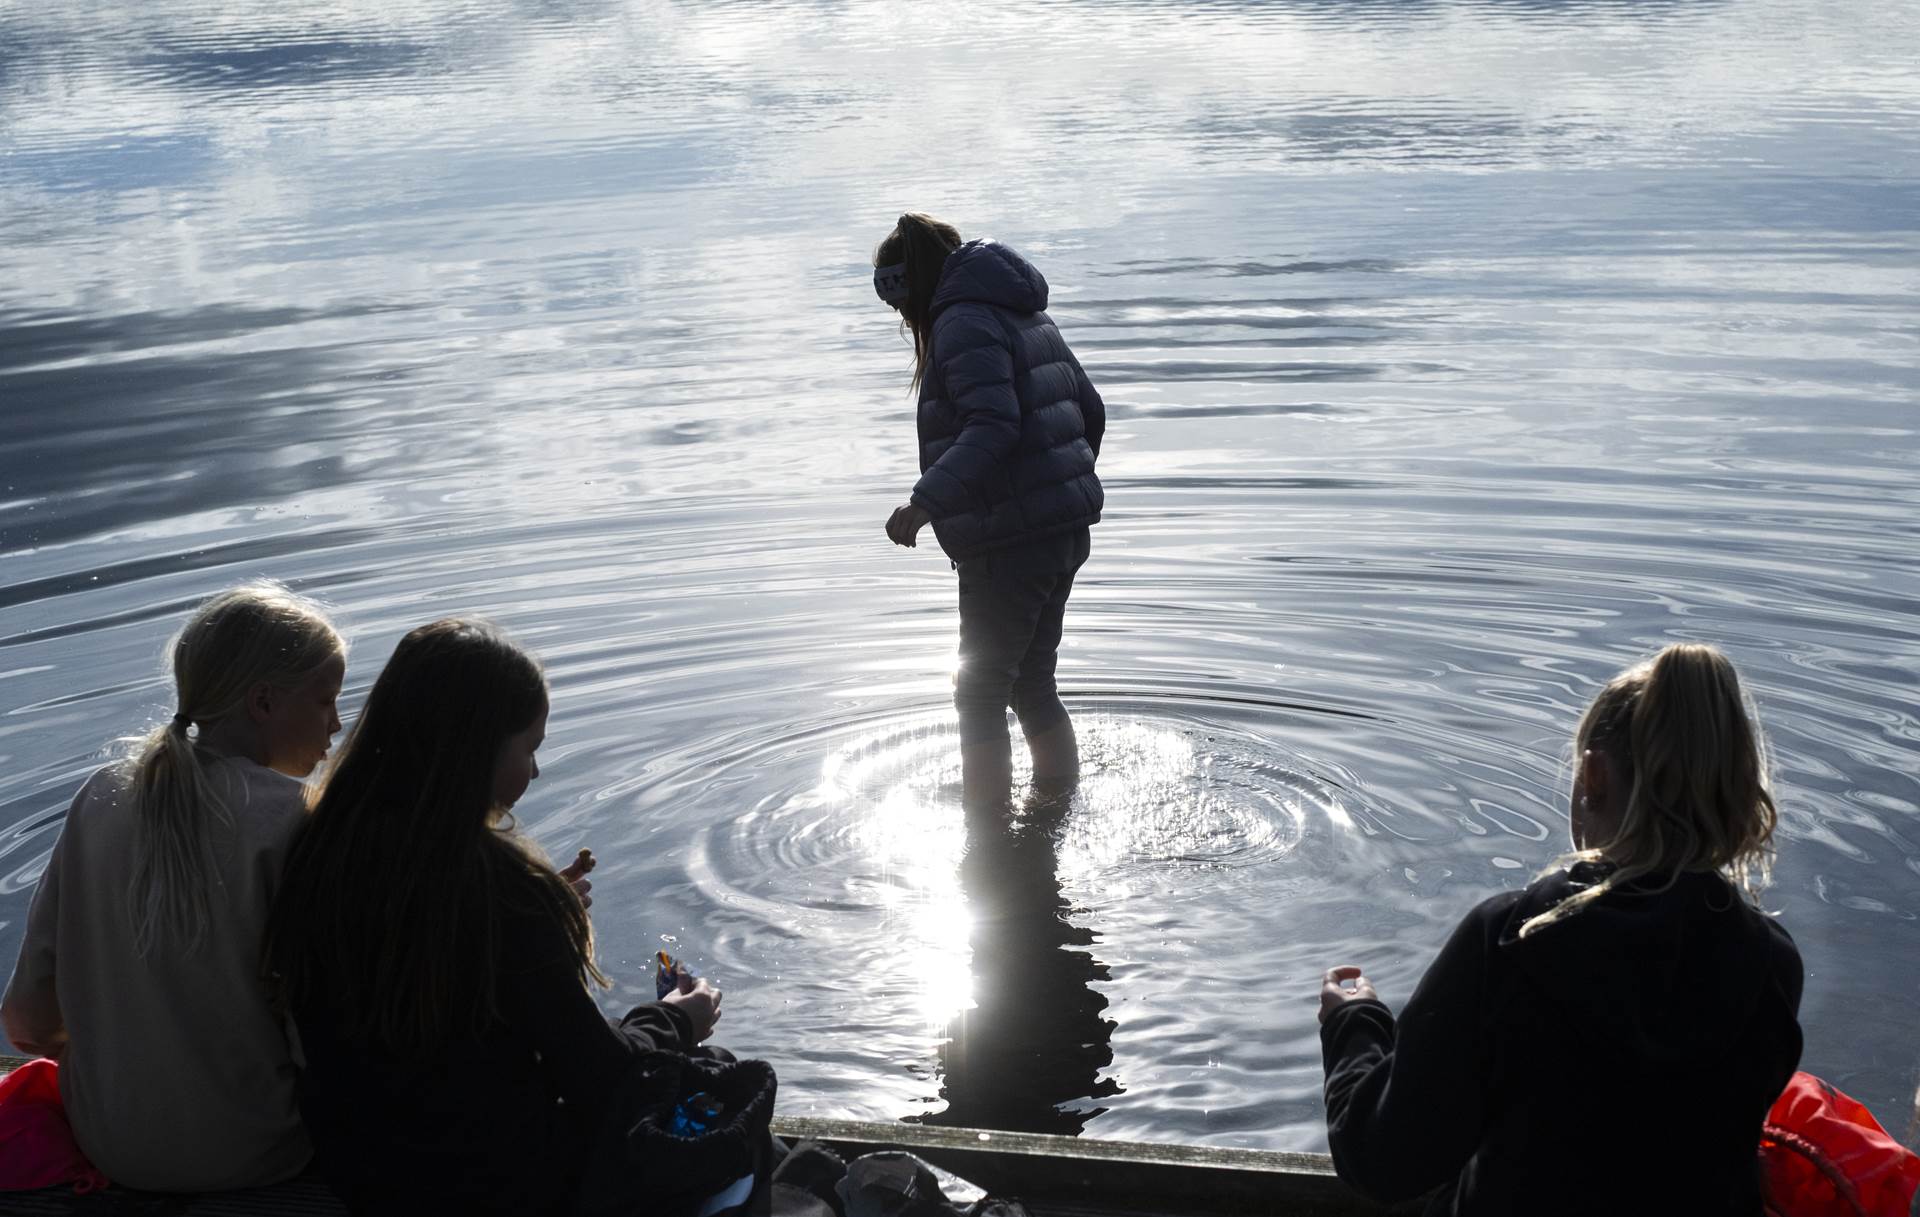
point(1823, 1154)
point(37, 1148)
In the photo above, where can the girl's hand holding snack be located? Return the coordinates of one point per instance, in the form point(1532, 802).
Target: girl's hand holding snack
point(700, 1001)
point(575, 873)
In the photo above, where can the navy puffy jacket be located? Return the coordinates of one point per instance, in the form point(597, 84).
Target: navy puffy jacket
point(1009, 423)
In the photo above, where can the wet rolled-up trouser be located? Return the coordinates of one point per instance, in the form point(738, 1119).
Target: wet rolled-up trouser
point(1012, 603)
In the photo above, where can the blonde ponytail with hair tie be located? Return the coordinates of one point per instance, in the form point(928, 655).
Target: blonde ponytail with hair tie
point(1683, 736)
point(248, 634)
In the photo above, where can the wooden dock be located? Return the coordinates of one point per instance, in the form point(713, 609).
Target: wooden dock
point(1086, 1176)
point(1055, 1176)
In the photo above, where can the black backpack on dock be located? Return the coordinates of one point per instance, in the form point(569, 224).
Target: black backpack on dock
point(684, 1133)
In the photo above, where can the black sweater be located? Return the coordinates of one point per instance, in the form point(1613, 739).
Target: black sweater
point(1621, 1061)
point(499, 1124)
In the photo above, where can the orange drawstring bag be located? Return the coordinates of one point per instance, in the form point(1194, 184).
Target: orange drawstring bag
point(1822, 1154)
point(37, 1148)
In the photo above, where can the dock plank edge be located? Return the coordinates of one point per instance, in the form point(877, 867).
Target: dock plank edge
point(1054, 1174)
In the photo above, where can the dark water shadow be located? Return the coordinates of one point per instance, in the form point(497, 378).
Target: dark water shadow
point(1244, 269)
point(1310, 409)
point(1265, 343)
point(240, 62)
point(30, 338)
point(137, 407)
point(1301, 312)
point(1037, 1037)
point(1349, 14)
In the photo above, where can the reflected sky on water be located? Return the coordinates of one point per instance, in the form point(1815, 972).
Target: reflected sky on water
point(1456, 355)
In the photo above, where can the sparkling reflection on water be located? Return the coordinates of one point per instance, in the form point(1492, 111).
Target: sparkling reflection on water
point(1457, 353)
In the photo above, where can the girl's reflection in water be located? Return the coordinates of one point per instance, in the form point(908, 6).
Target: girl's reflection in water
point(1036, 1037)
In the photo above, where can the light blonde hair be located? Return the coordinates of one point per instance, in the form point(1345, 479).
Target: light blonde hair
point(255, 633)
point(1680, 733)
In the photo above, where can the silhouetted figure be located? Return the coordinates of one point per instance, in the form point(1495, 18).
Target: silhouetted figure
point(1009, 428)
point(1608, 1039)
point(1037, 1036)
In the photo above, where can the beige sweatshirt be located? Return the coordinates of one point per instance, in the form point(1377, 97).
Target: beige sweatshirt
point(176, 1074)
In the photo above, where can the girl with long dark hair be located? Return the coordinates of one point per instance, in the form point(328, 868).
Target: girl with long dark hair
point(438, 969)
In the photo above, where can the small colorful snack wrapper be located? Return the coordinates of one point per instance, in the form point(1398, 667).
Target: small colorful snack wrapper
point(667, 978)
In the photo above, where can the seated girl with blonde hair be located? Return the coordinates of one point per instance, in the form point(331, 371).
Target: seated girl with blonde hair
point(1609, 1039)
point(140, 969)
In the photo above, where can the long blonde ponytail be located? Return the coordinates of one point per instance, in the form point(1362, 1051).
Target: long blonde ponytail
point(1679, 731)
point(256, 633)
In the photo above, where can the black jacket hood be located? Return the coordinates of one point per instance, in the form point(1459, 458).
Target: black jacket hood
point(987, 272)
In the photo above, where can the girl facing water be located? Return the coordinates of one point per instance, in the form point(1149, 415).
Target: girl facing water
point(140, 968)
point(1609, 1039)
point(437, 968)
point(1009, 428)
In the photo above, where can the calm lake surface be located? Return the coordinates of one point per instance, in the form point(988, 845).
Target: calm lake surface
point(1457, 355)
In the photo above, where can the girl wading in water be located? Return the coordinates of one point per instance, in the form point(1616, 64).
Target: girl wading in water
point(1609, 1039)
point(1009, 429)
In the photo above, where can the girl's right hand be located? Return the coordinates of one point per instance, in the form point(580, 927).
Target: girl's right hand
point(575, 873)
point(905, 524)
point(1335, 994)
point(700, 1001)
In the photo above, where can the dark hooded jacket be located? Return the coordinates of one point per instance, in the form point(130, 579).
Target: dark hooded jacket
point(1009, 423)
point(1620, 1061)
